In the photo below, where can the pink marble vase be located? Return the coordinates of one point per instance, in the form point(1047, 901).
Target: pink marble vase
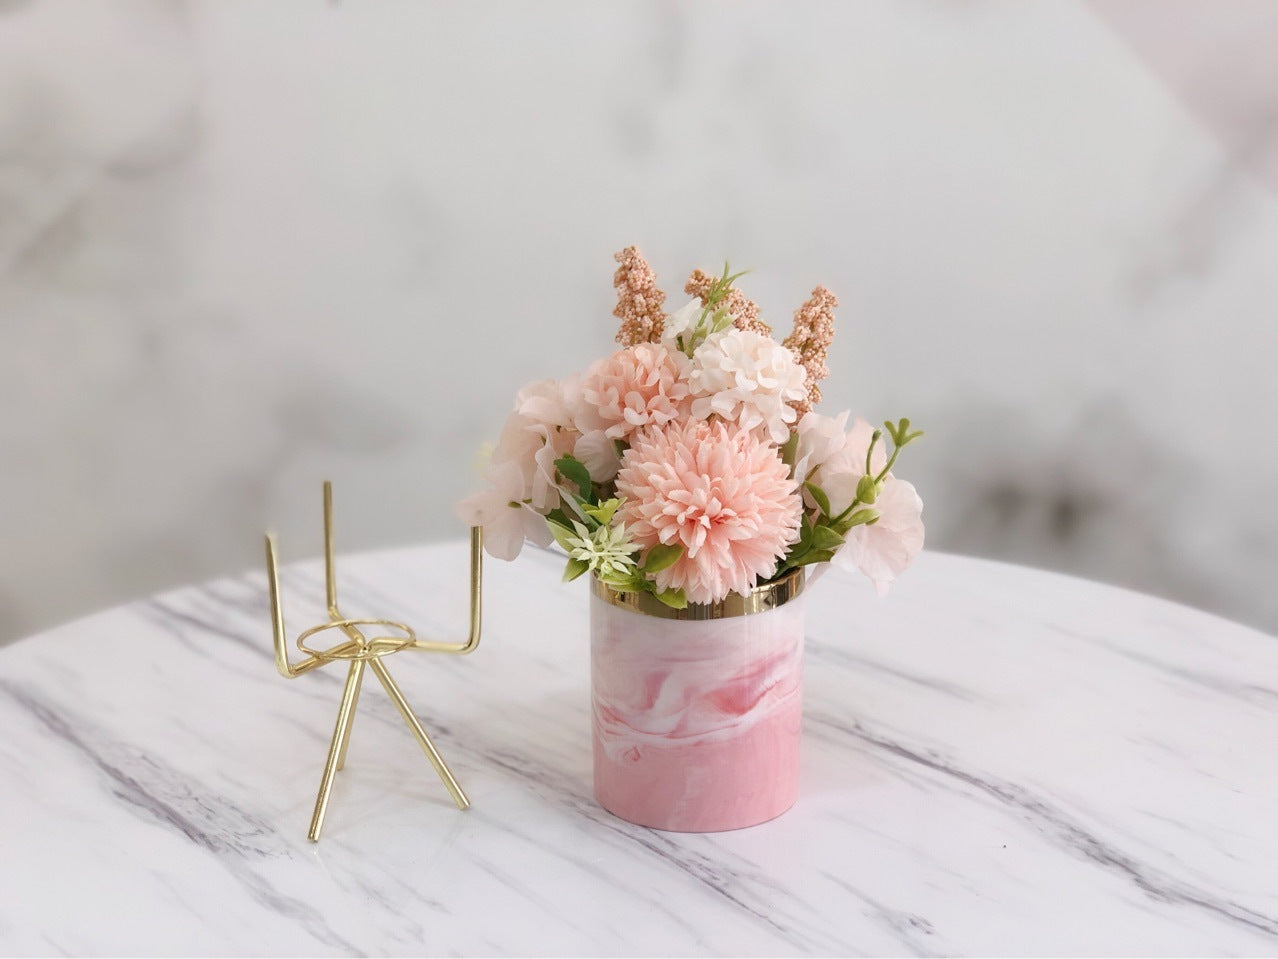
point(697, 712)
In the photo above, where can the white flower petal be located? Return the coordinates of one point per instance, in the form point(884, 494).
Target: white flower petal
point(749, 379)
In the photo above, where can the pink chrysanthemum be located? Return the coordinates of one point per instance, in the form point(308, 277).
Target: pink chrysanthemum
point(644, 385)
point(719, 492)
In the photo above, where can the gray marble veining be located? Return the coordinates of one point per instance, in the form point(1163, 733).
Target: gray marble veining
point(996, 761)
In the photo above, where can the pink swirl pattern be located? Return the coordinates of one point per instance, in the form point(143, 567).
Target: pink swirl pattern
point(696, 723)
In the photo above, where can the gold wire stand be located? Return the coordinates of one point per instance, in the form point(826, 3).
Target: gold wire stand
point(362, 652)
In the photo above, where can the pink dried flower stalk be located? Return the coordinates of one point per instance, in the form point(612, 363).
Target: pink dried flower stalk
point(810, 341)
point(638, 299)
point(743, 310)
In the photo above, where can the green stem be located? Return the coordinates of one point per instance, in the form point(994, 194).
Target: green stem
point(896, 451)
point(869, 451)
point(856, 501)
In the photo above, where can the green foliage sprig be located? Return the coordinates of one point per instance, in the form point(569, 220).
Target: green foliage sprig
point(714, 316)
point(594, 545)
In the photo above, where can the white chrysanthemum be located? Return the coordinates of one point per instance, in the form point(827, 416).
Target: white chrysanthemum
point(748, 379)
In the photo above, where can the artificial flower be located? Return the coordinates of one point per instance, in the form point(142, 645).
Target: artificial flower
point(884, 549)
point(507, 521)
point(716, 490)
point(533, 447)
point(682, 438)
point(817, 439)
point(841, 470)
point(749, 379)
point(608, 551)
point(642, 385)
point(522, 471)
point(598, 451)
point(551, 402)
point(679, 323)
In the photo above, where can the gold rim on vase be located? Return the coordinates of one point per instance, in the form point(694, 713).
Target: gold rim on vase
point(758, 600)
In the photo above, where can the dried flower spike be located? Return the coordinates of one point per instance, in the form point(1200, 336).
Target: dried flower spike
point(638, 299)
point(810, 341)
point(744, 312)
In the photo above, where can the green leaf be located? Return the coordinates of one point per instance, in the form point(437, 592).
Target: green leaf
point(626, 581)
point(674, 598)
point(560, 532)
point(662, 557)
point(900, 432)
point(816, 556)
point(789, 450)
point(797, 551)
point(575, 503)
point(818, 494)
point(574, 569)
point(604, 511)
point(622, 584)
point(805, 534)
point(574, 470)
point(824, 538)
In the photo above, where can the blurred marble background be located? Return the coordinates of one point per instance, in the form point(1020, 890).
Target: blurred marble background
point(244, 247)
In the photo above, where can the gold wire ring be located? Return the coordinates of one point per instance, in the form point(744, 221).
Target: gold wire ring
point(372, 649)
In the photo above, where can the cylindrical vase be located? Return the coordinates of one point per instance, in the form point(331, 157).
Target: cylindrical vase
point(697, 713)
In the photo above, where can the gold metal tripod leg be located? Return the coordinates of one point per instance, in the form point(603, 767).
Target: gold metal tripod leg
point(346, 736)
point(436, 760)
point(340, 732)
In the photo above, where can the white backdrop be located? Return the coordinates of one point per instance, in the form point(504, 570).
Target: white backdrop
point(245, 247)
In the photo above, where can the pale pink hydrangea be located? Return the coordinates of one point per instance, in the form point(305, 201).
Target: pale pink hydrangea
point(598, 453)
point(884, 550)
point(819, 438)
point(843, 467)
point(551, 402)
point(749, 379)
point(521, 479)
point(560, 404)
point(499, 509)
point(718, 491)
point(643, 385)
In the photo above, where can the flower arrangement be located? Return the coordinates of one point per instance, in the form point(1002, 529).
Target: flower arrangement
point(691, 463)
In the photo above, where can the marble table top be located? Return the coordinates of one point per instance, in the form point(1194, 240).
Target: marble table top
point(996, 760)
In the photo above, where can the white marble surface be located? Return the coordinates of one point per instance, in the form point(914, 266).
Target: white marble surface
point(237, 239)
point(996, 760)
